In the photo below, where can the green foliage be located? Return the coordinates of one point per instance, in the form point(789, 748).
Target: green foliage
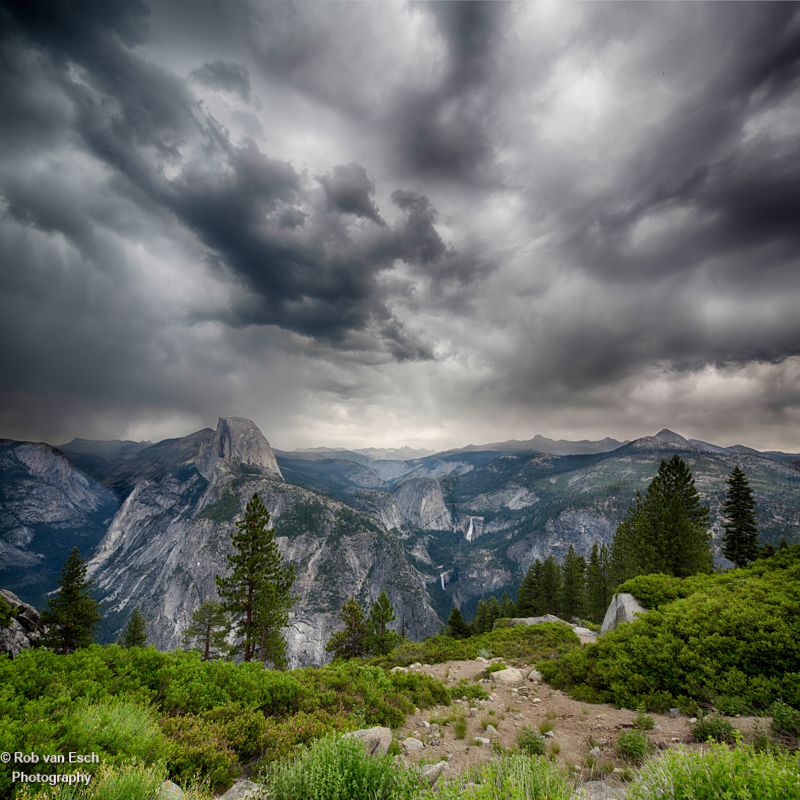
point(710, 727)
point(224, 510)
point(642, 721)
point(460, 725)
point(212, 715)
point(208, 631)
point(529, 590)
point(635, 746)
point(572, 600)
point(510, 776)
point(71, 618)
point(731, 705)
point(531, 742)
point(785, 719)
point(380, 640)
point(507, 608)
point(598, 583)
point(654, 591)
point(472, 691)
point(736, 633)
point(334, 768)
point(666, 530)
point(717, 773)
point(134, 635)
point(524, 642)
point(258, 588)
point(740, 541)
point(6, 613)
point(498, 666)
point(351, 641)
point(458, 628)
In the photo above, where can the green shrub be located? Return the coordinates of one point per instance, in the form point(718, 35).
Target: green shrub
point(704, 645)
point(335, 768)
point(530, 742)
point(731, 706)
point(785, 719)
point(654, 591)
point(718, 773)
point(472, 691)
point(642, 721)
point(460, 725)
point(484, 652)
point(713, 728)
point(498, 666)
point(510, 776)
point(200, 752)
point(635, 746)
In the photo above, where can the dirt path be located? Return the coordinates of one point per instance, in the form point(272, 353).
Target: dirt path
point(577, 726)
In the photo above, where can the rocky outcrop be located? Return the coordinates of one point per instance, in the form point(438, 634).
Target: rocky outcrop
point(578, 528)
point(420, 503)
point(623, 608)
point(46, 507)
point(166, 545)
point(22, 632)
point(236, 439)
point(376, 740)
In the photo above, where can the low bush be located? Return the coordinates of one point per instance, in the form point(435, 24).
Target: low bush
point(498, 666)
point(472, 691)
point(510, 777)
point(730, 706)
point(698, 647)
point(635, 746)
point(334, 768)
point(523, 643)
point(642, 721)
point(718, 773)
point(713, 728)
point(530, 742)
point(785, 719)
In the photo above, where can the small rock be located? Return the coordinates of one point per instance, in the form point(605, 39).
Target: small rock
point(536, 700)
point(243, 790)
point(395, 670)
point(595, 752)
point(413, 745)
point(508, 676)
point(482, 740)
point(425, 724)
point(491, 730)
point(169, 791)
point(535, 675)
point(433, 771)
point(656, 727)
point(482, 660)
point(693, 721)
point(376, 740)
point(550, 734)
point(673, 712)
point(602, 716)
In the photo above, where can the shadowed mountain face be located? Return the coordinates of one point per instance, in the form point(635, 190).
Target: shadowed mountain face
point(433, 532)
point(47, 506)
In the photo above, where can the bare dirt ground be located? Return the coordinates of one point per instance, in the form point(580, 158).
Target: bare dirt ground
point(577, 727)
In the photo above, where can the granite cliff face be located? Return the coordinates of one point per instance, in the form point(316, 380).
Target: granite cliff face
point(236, 439)
point(170, 538)
point(420, 502)
point(46, 507)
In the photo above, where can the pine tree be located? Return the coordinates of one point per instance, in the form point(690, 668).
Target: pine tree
point(258, 585)
point(71, 618)
point(598, 589)
point(666, 531)
point(350, 642)
point(507, 608)
point(767, 551)
point(458, 628)
point(380, 640)
point(783, 544)
point(134, 635)
point(740, 540)
point(528, 592)
point(494, 612)
point(573, 585)
point(208, 631)
point(550, 592)
point(481, 622)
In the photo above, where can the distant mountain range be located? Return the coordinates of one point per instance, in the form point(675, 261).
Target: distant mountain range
point(433, 530)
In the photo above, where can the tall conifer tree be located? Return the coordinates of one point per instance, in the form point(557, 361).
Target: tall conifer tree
point(458, 628)
point(71, 618)
point(740, 541)
point(257, 589)
point(507, 607)
point(573, 585)
point(550, 588)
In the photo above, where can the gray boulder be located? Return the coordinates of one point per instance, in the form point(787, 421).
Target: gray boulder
point(433, 771)
point(376, 740)
point(243, 790)
point(23, 632)
point(624, 608)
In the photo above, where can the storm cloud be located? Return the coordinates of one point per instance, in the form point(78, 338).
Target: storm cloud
point(393, 223)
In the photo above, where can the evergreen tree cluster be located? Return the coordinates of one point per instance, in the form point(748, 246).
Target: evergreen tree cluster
point(364, 636)
point(487, 613)
point(666, 531)
point(574, 589)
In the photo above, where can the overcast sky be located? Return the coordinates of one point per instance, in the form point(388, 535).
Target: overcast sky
point(380, 223)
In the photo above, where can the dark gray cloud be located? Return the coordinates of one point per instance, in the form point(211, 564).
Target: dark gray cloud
point(224, 75)
point(436, 216)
